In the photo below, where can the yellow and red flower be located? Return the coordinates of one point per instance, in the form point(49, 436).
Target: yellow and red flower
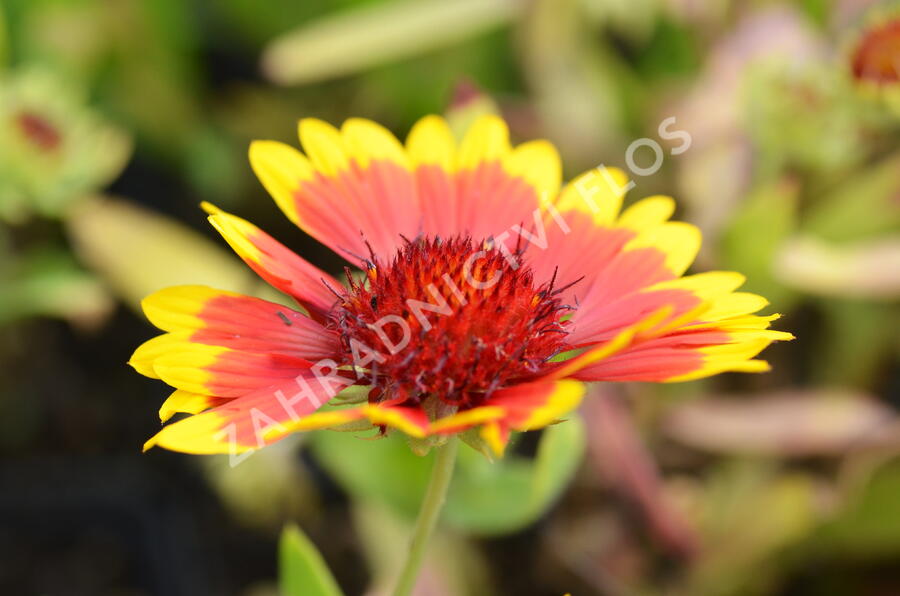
point(873, 54)
point(488, 296)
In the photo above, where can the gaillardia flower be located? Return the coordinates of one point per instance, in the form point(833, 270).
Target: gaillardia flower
point(486, 298)
point(873, 52)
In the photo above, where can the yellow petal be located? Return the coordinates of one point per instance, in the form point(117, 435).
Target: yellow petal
point(599, 192)
point(281, 169)
point(679, 241)
point(365, 140)
point(183, 402)
point(184, 367)
point(494, 437)
point(707, 286)
point(467, 418)
point(143, 358)
point(565, 397)
point(431, 142)
point(175, 308)
point(647, 213)
point(486, 140)
point(200, 434)
point(324, 145)
point(735, 305)
point(538, 163)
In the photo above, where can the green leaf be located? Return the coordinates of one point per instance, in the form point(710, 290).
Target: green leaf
point(755, 236)
point(868, 336)
point(4, 40)
point(486, 497)
point(357, 39)
point(48, 282)
point(749, 514)
point(505, 496)
point(868, 524)
point(560, 452)
point(863, 207)
point(868, 269)
point(302, 570)
point(384, 470)
point(582, 90)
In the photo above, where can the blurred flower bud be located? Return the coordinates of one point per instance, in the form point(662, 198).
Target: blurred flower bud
point(53, 149)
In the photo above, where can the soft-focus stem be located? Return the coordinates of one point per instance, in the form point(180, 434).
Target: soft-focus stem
point(428, 515)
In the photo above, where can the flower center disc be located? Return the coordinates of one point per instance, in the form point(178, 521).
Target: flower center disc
point(448, 318)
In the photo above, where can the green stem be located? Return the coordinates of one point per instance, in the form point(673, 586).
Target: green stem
point(428, 515)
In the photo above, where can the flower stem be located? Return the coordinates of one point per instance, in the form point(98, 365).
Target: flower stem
point(434, 499)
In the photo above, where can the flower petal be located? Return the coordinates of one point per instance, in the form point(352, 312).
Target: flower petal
point(216, 317)
point(411, 421)
point(535, 405)
point(324, 145)
point(647, 213)
point(487, 140)
point(598, 193)
point(360, 194)
point(184, 402)
point(489, 187)
point(220, 371)
point(538, 164)
point(281, 169)
point(431, 142)
point(679, 241)
point(282, 268)
point(249, 422)
point(690, 352)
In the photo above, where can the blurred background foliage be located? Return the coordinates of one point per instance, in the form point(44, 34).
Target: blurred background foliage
point(119, 117)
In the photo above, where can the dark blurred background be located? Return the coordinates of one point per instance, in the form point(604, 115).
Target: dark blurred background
point(120, 116)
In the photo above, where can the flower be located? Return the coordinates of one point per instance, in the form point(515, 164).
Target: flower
point(487, 297)
point(876, 57)
point(873, 54)
point(54, 150)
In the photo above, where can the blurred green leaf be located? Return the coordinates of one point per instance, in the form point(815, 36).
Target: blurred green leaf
point(361, 38)
point(670, 53)
point(265, 489)
point(302, 570)
point(560, 452)
point(866, 269)
point(748, 515)
point(862, 207)
point(868, 525)
point(139, 252)
point(818, 10)
point(50, 283)
point(4, 40)
point(504, 496)
point(630, 18)
point(755, 235)
point(485, 497)
point(384, 470)
point(258, 26)
point(801, 115)
point(582, 92)
point(867, 342)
